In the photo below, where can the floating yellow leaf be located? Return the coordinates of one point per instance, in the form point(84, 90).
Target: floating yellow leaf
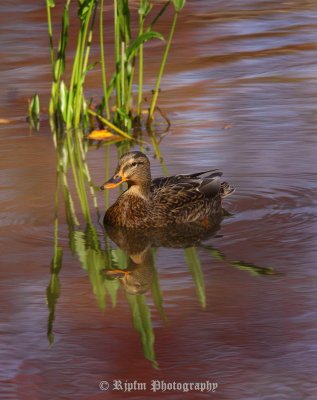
point(4, 121)
point(103, 134)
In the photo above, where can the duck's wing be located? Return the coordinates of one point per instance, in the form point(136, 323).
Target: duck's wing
point(184, 178)
point(188, 200)
point(180, 190)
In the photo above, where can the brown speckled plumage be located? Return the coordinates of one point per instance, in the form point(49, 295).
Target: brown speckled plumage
point(165, 201)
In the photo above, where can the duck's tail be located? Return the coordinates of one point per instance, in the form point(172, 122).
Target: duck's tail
point(226, 189)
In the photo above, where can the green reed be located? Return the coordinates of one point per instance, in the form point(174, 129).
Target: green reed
point(68, 104)
point(178, 4)
point(103, 62)
point(34, 112)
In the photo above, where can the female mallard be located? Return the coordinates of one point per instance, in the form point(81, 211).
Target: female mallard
point(173, 200)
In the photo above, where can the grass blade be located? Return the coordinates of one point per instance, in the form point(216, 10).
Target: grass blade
point(144, 37)
point(194, 266)
point(142, 322)
point(162, 67)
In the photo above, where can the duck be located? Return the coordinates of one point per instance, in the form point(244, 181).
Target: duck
point(165, 201)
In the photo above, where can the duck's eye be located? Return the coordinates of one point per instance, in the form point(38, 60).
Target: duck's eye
point(133, 164)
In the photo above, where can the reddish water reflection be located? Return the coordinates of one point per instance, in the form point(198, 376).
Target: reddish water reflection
point(241, 92)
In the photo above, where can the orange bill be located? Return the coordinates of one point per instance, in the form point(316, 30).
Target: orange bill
point(113, 182)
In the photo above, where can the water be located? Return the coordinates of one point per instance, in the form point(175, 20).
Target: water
point(240, 89)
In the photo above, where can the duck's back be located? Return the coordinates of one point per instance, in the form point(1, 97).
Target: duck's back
point(187, 198)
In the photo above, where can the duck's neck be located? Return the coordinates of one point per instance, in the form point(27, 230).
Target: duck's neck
point(139, 190)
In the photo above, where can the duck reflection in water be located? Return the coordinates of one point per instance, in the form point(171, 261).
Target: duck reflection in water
point(137, 277)
point(138, 245)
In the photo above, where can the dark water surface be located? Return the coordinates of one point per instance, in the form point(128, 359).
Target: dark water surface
point(241, 92)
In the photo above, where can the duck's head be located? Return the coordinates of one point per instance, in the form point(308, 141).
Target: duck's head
point(133, 168)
